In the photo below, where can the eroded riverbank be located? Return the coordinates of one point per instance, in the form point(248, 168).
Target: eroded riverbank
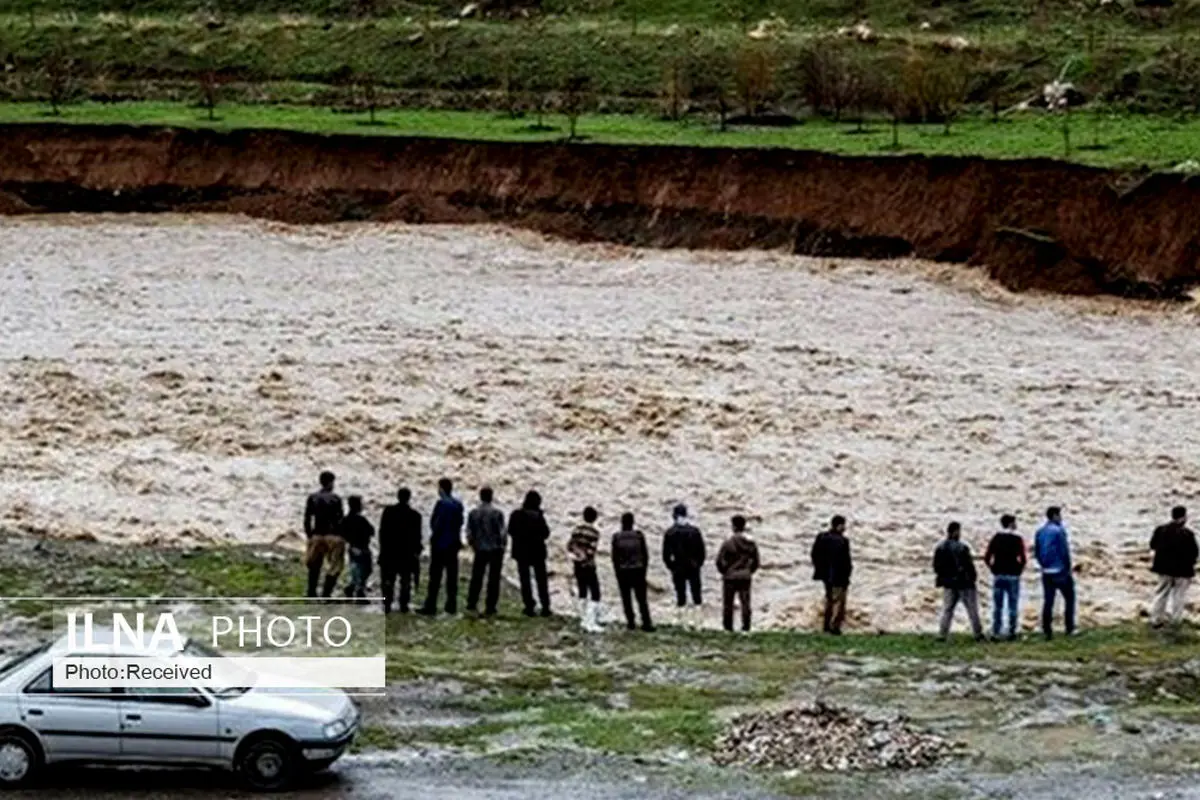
point(1031, 224)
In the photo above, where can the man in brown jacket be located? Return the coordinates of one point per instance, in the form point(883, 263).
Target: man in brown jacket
point(737, 562)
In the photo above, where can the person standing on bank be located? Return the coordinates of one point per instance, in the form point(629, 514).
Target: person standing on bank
point(1053, 552)
point(400, 549)
point(955, 570)
point(1005, 557)
point(683, 553)
point(1175, 555)
point(833, 566)
point(486, 537)
point(445, 540)
point(737, 561)
point(357, 532)
point(528, 531)
point(581, 548)
point(630, 560)
point(323, 514)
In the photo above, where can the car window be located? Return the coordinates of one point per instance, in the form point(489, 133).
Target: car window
point(177, 695)
point(44, 684)
point(21, 659)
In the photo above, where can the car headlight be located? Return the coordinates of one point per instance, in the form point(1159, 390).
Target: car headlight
point(335, 729)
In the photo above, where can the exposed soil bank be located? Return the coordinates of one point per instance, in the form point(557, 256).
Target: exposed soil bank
point(1035, 224)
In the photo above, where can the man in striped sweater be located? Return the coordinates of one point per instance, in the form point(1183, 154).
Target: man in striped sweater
point(582, 549)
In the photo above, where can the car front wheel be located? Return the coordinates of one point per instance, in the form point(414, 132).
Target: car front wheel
point(19, 760)
point(268, 764)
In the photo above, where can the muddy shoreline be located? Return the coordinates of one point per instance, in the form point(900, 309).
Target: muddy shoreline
point(1033, 224)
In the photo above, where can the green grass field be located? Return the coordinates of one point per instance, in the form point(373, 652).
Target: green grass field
point(646, 58)
point(1125, 140)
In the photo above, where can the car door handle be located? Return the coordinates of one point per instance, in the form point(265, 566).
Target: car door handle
point(34, 712)
point(134, 717)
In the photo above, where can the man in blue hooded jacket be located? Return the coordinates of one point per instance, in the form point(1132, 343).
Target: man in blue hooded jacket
point(445, 540)
point(1053, 552)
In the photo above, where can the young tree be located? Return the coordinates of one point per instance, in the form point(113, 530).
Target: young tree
point(576, 99)
point(897, 107)
point(366, 84)
point(210, 87)
point(946, 92)
point(754, 76)
point(826, 77)
point(58, 70)
point(634, 9)
point(676, 87)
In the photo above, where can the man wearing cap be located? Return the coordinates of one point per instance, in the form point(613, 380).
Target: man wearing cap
point(683, 553)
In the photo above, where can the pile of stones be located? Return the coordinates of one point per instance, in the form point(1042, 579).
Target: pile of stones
point(822, 737)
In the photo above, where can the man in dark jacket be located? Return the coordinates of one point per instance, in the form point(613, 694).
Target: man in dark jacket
point(737, 561)
point(445, 540)
point(1005, 557)
point(683, 553)
point(485, 535)
point(630, 559)
point(832, 566)
point(357, 532)
point(955, 570)
point(399, 550)
point(1175, 554)
point(323, 514)
point(528, 531)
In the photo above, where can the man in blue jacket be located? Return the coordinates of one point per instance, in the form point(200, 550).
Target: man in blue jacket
point(1053, 553)
point(445, 540)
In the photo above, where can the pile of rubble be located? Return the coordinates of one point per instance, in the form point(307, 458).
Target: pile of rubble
point(824, 737)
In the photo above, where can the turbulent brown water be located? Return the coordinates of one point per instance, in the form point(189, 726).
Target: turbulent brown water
point(184, 379)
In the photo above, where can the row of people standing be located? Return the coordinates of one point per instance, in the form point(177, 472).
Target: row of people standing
point(525, 535)
point(1173, 545)
point(331, 535)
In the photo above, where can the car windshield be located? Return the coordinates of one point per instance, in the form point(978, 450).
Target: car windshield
point(197, 650)
point(11, 664)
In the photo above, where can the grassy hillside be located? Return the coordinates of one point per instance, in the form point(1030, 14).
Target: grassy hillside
point(917, 62)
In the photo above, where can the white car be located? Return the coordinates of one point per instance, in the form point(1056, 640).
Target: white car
point(267, 736)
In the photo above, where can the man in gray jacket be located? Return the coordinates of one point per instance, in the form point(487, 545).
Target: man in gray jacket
point(955, 570)
point(486, 537)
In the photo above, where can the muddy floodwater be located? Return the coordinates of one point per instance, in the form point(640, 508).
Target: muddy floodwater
point(184, 380)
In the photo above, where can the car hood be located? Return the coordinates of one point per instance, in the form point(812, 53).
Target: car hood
point(319, 705)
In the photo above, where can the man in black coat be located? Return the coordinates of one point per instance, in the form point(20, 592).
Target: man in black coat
point(684, 555)
point(630, 559)
point(1175, 554)
point(832, 566)
point(399, 550)
point(528, 532)
point(955, 570)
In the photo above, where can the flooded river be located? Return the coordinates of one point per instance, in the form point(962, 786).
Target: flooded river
point(184, 380)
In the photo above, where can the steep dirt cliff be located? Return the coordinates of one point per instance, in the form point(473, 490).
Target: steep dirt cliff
point(1034, 224)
